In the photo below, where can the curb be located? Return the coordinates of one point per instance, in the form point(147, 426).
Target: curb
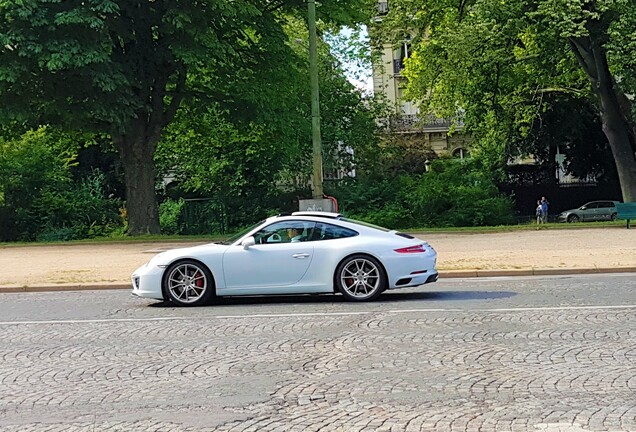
point(451, 274)
point(533, 272)
point(93, 286)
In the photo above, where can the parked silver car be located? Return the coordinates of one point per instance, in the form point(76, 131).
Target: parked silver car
point(592, 211)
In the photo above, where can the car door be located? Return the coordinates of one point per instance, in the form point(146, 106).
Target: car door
point(274, 261)
point(591, 211)
point(605, 210)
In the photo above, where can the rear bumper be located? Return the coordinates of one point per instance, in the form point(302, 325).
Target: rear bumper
point(420, 279)
point(432, 278)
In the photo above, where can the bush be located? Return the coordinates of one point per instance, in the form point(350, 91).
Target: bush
point(39, 197)
point(170, 212)
point(459, 193)
point(454, 193)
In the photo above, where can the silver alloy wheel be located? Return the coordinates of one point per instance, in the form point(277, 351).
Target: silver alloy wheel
point(360, 278)
point(187, 283)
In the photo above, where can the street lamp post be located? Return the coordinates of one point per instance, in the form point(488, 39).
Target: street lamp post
point(316, 189)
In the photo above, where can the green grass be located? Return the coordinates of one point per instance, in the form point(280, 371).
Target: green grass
point(125, 239)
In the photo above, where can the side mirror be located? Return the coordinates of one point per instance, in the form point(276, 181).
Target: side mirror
point(582, 208)
point(248, 242)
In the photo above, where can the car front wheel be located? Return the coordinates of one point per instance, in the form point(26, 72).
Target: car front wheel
point(573, 218)
point(188, 283)
point(360, 278)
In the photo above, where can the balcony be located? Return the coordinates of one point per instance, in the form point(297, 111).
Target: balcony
point(415, 123)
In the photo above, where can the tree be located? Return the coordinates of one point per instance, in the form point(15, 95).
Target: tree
point(262, 155)
point(494, 63)
point(124, 67)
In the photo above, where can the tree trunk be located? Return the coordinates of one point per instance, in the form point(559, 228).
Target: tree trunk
point(618, 134)
point(136, 152)
point(616, 119)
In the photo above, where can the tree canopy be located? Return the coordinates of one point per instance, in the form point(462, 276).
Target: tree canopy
point(124, 68)
point(237, 156)
point(505, 67)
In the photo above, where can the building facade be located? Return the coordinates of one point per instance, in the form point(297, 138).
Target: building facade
point(433, 132)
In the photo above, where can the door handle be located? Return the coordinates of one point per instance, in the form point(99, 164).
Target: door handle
point(301, 255)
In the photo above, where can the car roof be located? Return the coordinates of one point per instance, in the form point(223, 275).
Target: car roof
point(322, 214)
point(310, 214)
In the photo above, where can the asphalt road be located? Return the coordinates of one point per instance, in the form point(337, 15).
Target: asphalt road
point(489, 354)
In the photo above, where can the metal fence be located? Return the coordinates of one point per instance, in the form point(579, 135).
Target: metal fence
point(203, 216)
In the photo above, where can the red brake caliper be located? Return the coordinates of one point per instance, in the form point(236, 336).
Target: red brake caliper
point(198, 282)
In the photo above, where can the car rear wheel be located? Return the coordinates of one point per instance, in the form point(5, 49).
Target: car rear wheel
point(360, 278)
point(573, 218)
point(188, 283)
point(613, 217)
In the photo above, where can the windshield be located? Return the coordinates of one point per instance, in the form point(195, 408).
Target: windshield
point(240, 234)
point(366, 224)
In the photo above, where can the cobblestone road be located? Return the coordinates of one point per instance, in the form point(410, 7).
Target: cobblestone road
point(556, 354)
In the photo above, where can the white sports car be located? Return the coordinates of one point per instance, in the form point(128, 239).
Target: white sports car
point(301, 253)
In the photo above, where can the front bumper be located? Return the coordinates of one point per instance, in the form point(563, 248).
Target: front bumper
point(146, 282)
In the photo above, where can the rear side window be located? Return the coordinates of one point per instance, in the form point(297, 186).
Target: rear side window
point(324, 231)
point(365, 224)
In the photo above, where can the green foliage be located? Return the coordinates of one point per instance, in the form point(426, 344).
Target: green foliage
point(123, 68)
point(453, 193)
point(460, 192)
point(38, 197)
point(505, 67)
point(170, 212)
point(255, 159)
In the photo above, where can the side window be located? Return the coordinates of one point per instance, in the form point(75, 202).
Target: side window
point(284, 232)
point(606, 204)
point(592, 205)
point(324, 231)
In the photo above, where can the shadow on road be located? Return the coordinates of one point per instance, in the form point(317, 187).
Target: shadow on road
point(447, 296)
point(389, 297)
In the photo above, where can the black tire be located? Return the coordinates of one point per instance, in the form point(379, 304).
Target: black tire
point(188, 283)
point(573, 218)
point(360, 278)
point(613, 217)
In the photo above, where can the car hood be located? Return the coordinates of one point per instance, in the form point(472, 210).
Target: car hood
point(171, 255)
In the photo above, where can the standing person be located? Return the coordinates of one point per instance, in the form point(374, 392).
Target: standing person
point(539, 212)
point(544, 209)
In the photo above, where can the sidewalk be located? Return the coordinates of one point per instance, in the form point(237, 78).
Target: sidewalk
point(520, 253)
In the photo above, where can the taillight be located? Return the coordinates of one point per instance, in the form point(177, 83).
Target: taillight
point(412, 249)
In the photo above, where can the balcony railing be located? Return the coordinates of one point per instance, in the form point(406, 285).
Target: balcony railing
point(414, 123)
